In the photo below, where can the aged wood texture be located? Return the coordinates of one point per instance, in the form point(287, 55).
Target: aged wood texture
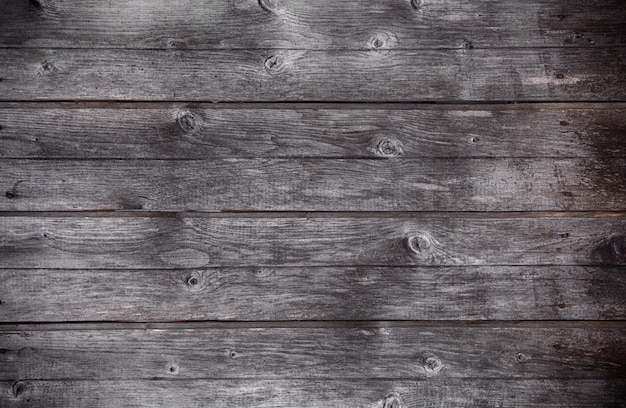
point(487, 184)
point(314, 293)
point(314, 393)
point(200, 131)
point(324, 24)
point(175, 242)
point(316, 353)
point(574, 74)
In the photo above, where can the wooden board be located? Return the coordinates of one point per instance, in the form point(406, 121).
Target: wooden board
point(575, 74)
point(175, 241)
point(314, 393)
point(325, 24)
point(201, 131)
point(439, 184)
point(423, 352)
point(314, 293)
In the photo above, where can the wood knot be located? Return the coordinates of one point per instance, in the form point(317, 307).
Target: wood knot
point(273, 64)
point(186, 121)
point(37, 3)
point(419, 244)
point(611, 251)
point(389, 148)
point(560, 76)
point(271, 6)
point(18, 389)
point(194, 282)
point(173, 369)
point(47, 68)
point(393, 401)
point(417, 4)
point(467, 44)
point(432, 364)
point(521, 358)
point(10, 194)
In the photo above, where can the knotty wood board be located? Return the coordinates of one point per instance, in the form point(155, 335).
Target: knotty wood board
point(320, 353)
point(193, 242)
point(200, 131)
point(314, 293)
point(437, 184)
point(314, 393)
point(574, 74)
point(324, 24)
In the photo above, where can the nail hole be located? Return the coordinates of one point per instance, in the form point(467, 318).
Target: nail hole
point(192, 281)
point(521, 357)
point(173, 369)
point(560, 76)
point(232, 354)
point(475, 139)
point(566, 235)
point(562, 305)
point(563, 123)
point(9, 194)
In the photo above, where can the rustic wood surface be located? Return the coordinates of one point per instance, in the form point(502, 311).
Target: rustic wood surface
point(316, 353)
point(439, 184)
point(285, 203)
point(173, 241)
point(405, 24)
point(314, 293)
point(208, 131)
point(315, 393)
point(562, 74)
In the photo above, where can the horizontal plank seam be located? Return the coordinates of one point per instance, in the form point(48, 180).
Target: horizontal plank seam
point(307, 324)
point(313, 214)
point(302, 105)
point(474, 48)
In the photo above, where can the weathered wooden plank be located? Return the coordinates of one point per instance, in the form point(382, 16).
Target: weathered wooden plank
point(440, 184)
point(314, 293)
point(284, 75)
point(322, 353)
point(195, 242)
point(314, 393)
point(326, 24)
point(206, 131)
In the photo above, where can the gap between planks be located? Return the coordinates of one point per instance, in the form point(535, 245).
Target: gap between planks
point(312, 324)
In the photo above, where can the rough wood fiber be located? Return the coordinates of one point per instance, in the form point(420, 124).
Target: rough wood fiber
point(575, 74)
point(174, 242)
point(207, 132)
point(438, 184)
point(607, 393)
point(314, 293)
point(324, 24)
point(326, 353)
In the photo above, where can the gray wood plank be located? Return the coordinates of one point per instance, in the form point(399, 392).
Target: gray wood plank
point(194, 242)
point(573, 74)
point(326, 24)
point(607, 393)
point(321, 353)
point(163, 131)
point(434, 184)
point(314, 293)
